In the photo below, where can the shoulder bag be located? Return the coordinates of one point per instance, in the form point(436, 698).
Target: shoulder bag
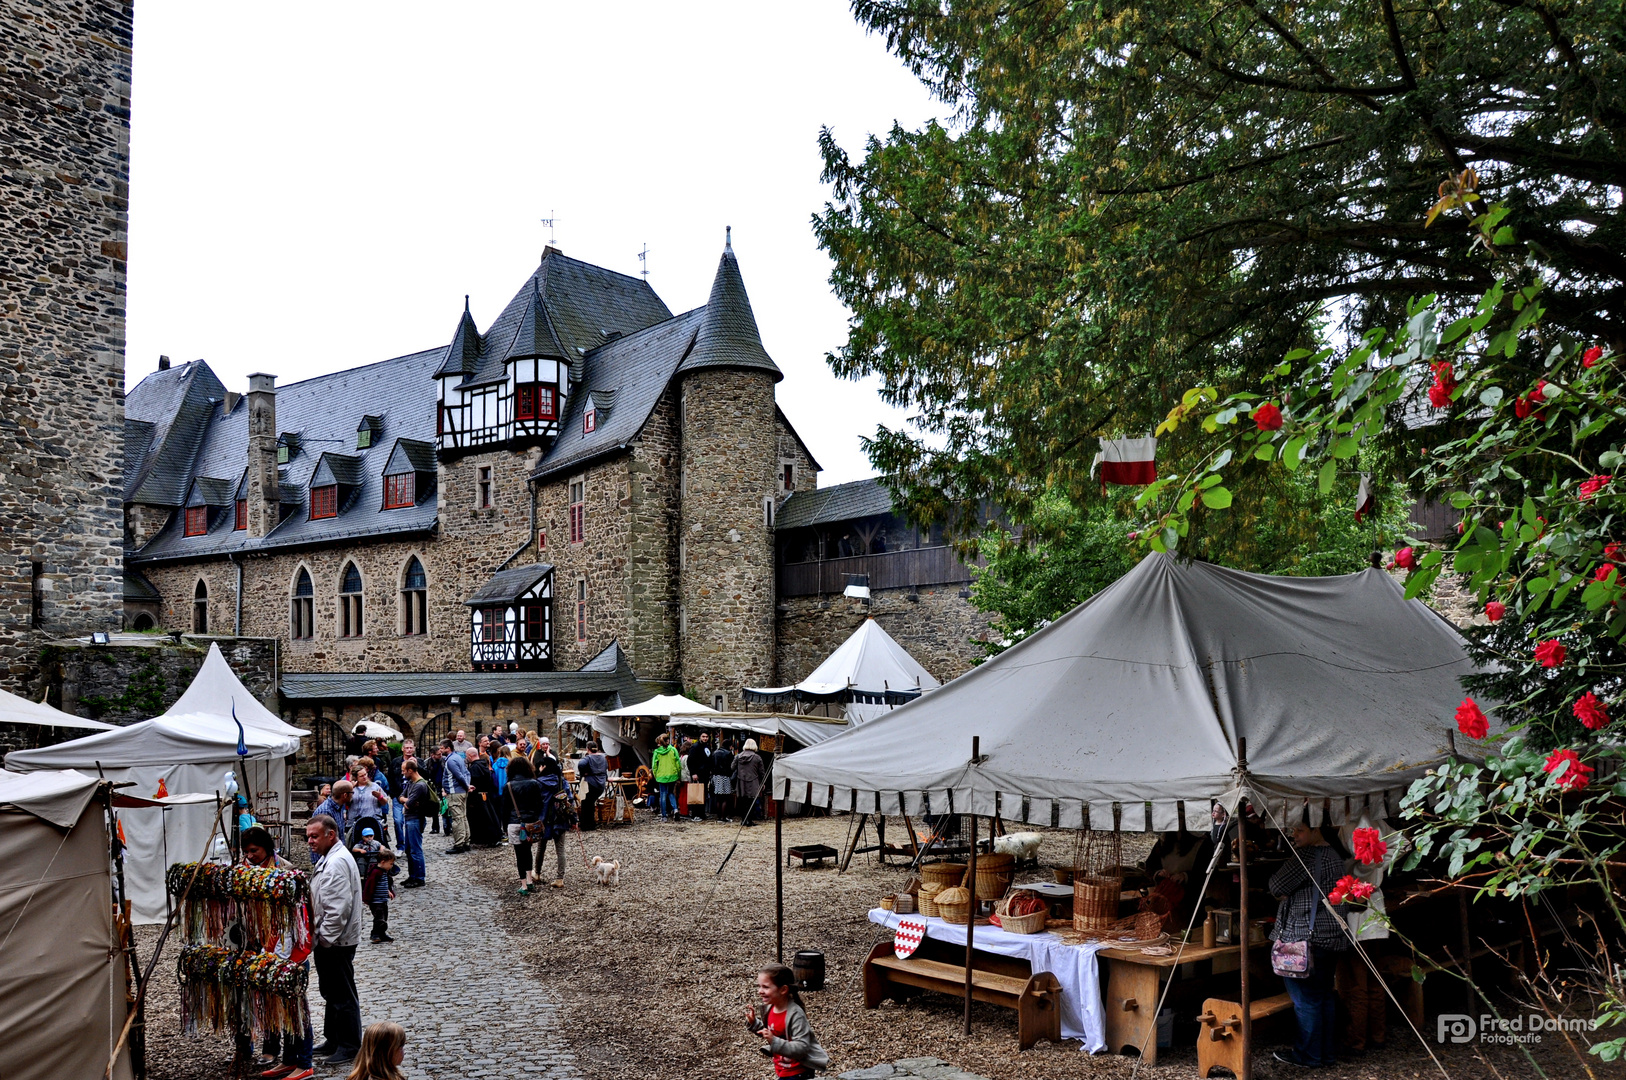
point(535, 831)
point(1293, 959)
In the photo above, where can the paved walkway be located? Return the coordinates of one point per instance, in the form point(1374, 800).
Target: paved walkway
point(456, 996)
point(920, 1068)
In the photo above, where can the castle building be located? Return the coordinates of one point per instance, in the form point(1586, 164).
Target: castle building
point(574, 507)
point(64, 190)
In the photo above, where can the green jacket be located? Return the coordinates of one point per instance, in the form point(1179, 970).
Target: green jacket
point(668, 765)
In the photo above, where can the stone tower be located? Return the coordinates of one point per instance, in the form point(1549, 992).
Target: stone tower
point(726, 572)
point(63, 221)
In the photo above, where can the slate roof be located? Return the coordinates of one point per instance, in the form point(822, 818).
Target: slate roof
point(334, 468)
point(507, 585)
point(636, 370)
point(410, 455)
point(137, 587)
point(607, 676)
point(728, 336)
point(176, 403)
point(843, 502)
point(326, 411)
point(211, 491)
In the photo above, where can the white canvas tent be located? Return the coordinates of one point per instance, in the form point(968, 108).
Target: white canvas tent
point(191, 748)
point(62, 969)
point(19, 710)
point(619, 738)
point(869, 674)
point(1344, 691)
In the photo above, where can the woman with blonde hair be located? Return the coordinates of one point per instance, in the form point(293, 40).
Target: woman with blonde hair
point(383, 1046)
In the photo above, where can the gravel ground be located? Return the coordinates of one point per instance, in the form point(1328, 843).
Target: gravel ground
point(653, 975)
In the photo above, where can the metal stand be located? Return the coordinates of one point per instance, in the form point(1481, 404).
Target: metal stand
point(1242, 912)
point(779, 878)
point(971, 921)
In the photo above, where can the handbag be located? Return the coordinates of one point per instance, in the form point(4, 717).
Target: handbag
point(535, 831)
point(1293, 959)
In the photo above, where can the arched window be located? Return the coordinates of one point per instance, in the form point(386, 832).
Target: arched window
point(350, 602)
point(414, 599)
point(200, 608)
point(143, 622)
point(301, 620)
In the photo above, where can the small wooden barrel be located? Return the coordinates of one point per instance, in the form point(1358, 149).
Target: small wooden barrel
point(809, 967)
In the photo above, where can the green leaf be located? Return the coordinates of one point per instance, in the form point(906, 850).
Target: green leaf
point(1217, 498)
point(1222, 459)
point(1345, 447)
point(1329, 473)
point(1267, 452)
point(1491, 396)
point(1293, 453)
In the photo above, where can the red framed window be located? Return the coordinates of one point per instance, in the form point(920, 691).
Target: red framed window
point(493, 624)
point(400, 491)
point(325, 501)
point(197, 520)
point(589, 420)
point(536, 401)
point(578, 511)
point(240, 516)
point(535, 622)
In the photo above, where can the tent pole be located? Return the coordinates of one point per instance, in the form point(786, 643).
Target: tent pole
point(971, 920)
point(1242, 913)
point(779, 877)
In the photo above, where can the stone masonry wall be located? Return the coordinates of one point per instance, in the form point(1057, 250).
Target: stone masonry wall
point(789, 448)
point(939, 629)
point(726, 548)
point(600, 559)
point(64, 175)
point(652, 573)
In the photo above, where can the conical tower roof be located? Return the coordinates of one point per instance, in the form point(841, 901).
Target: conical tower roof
point(535, 335)
point(728, 336)
point(463, 354)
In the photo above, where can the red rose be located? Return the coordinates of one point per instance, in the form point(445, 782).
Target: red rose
point(1268, 417)
point(1362, 890)
point(1439, 397)
point(1602, 573)
point(1406, 559)
point(1551, 652)
point(1590, 711)
point(1591, 356)
point(1591, 487)
point(1539, 394)
point(1369, 846)
point(1494, 610)
point(1614, 552)
point(1521, 406)
point(1340, 891)
point(1568, 770)
point(1471, 719)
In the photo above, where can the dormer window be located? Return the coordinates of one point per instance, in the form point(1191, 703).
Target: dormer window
point(240, 516)
point(536, 401)
point(368, 430)
point(325, 501)
point(399, 491)
point(287, 447)
point(197, 521)
point(589, 419)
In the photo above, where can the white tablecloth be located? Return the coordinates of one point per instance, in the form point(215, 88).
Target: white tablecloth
point(1074, 966)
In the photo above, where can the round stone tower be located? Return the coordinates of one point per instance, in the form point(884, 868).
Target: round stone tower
point(725, 534)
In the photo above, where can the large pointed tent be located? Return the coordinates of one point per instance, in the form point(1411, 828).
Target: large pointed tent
point(868, 674)
point(1343, 690)
point(191, 748)
point(19, 710)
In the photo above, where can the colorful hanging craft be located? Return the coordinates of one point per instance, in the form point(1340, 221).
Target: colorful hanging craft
point(265, 901)
point(261, 987)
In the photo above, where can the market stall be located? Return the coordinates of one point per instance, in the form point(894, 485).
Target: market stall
point(867, 676)
point(215, 736)
point(1180, 687)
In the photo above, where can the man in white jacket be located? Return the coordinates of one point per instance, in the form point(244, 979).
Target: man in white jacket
point(336, 919)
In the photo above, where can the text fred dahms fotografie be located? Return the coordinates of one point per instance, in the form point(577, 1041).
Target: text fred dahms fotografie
point(1505, 1030)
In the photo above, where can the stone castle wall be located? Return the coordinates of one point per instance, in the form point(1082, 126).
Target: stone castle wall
point(939, 629)
point(64, 190)
point(599, 560)
point(726, 548)
point(654, 510)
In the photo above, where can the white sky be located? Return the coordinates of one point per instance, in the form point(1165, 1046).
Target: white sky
point(315, 186)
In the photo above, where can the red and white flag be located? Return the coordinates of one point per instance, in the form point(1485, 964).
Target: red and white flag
point(1365, 498)
point(1127, 461)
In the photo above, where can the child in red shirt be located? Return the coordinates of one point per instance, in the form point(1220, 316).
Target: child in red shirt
point(782, 1023)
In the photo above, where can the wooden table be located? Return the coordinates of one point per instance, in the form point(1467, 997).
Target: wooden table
point(1134, 980)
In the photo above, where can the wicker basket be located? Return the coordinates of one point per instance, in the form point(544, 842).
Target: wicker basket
point(994, 875)
point(928, 906)
point(957, 912)
point(1063, 874)
point(947, 874)
point(889, 903)
point(904, 903)
point(1031, 923)
point(1095, 902)
point(626, 809)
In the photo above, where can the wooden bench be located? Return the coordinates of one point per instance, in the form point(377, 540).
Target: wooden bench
point(1219, 1041)
point(815, 853)
point(1036, 998)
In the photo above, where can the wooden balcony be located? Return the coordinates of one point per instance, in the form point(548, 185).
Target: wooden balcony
point(891, 570)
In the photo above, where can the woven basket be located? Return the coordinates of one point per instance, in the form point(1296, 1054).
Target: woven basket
point(1063, 874)
point(946, 874)
point(1023, 924)
point(958, 914)
point(904, 903)
point(626, 809)
point(994, 875)
point(928, 906)
point(1095, 902)
point(889, 903)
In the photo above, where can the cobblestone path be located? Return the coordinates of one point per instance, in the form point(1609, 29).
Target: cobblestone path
point(470, 1005)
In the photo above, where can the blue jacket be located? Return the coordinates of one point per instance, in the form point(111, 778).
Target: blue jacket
point(457, 775)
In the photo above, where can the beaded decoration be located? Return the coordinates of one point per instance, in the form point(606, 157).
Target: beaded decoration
point(267, 989)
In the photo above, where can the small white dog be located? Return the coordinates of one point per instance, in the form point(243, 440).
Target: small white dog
point(609, 873)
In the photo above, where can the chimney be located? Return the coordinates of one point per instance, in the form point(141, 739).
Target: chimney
point(163, 363)
point(264, 496)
